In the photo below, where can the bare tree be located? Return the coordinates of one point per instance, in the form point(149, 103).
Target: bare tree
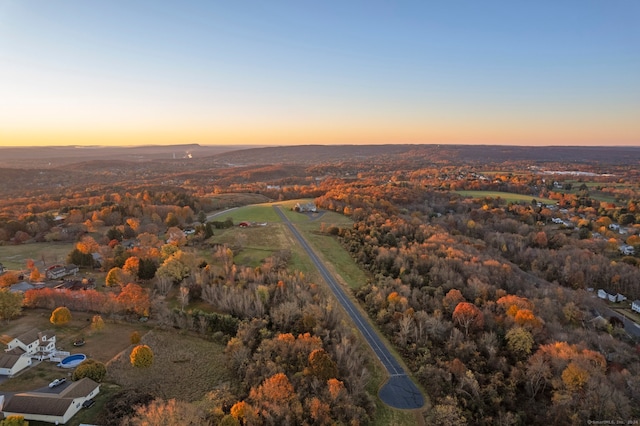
point(184, 296)
point(163, 285)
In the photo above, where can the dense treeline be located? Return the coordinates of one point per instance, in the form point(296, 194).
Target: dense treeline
point(486, 300)
point(471, 305)
point(293, 359)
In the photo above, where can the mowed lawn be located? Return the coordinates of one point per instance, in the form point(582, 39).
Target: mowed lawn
point(263, 213)
point(507, 196)
point(15, 256)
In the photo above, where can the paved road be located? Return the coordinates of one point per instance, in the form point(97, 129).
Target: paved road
point(630, 327)
point(399, 391)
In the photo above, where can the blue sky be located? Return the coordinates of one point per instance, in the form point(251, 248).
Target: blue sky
point(296, 72)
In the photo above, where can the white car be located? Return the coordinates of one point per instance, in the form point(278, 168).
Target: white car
point(57, 382)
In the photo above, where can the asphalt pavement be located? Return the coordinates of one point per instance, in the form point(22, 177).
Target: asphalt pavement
point(399, 391)
point(630, 327)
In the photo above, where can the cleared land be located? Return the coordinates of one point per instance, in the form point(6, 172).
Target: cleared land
point(185, 367)
point(16, 256)
point(256, 243)
point(507, 196)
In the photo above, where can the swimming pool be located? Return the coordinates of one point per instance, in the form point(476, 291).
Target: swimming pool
point(72, 361)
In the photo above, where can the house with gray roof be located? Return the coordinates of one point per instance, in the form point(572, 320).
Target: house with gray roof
point(21, 350)
point(21, 287)
point(51, 407)
point(13, 361)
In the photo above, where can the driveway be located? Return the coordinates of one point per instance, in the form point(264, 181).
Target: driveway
point(399, 391)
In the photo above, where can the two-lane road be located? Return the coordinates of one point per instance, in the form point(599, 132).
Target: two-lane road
point(399, 391)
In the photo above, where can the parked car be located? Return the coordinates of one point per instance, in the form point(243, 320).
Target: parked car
point(88, 403)
point(57, 382)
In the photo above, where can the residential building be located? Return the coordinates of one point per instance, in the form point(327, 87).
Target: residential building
point(306, 207)
point(627, 250)
point(56, 408)
point(611, 296)
point(58, 271)
point(31, 345)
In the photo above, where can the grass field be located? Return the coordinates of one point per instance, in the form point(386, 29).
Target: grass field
point(184, 366)
point(507, 196)
point(260, 242)
point(15, 256)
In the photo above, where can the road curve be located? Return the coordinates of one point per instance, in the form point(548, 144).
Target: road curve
point(399, 391)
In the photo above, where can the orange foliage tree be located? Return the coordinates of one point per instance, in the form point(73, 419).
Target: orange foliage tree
point(276, 400)
point(244, 413)
point(141, 356)
point(60, 316)
point(135, 299)
point(321, 365)
point(527, 319)
point(8, 279)
point(452, 298)
point(468, 316)
point(510, 300)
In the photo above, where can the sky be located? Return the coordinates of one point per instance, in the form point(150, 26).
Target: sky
point(138, 72)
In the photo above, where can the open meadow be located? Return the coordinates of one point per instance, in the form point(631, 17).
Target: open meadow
point(509, 197)
point(15, 256)
point(255, 243)
point(184, 366)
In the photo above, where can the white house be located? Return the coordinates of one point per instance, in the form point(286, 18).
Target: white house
point(611, 297)
point(307, 207)
point(14, 361)
point(33, 344)
point(627, 250)
point(636, 306)
point(56, 408)
point(58, 271)
point(34, 341)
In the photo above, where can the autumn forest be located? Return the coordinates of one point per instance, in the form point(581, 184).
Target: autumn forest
point(504, 278)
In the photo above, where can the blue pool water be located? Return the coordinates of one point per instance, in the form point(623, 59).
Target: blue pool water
point(72, 361)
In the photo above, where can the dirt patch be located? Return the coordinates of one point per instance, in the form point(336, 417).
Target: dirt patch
point(184, 367)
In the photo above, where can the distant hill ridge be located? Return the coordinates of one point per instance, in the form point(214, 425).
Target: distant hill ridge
point(313, 154)
point(203, 156)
